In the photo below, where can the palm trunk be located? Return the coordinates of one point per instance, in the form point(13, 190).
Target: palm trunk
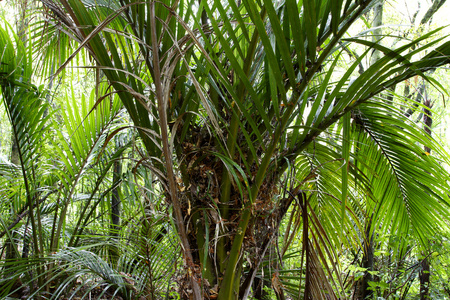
point(259, 291)
point(368, 264)
point(115, 209)
point(115, 198)
point(424, 274)
point(424, 277)
point(377, 33)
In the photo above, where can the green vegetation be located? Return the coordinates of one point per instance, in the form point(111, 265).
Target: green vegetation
point(221, 150)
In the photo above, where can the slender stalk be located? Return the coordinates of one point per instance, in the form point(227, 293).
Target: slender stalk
point(187, 255)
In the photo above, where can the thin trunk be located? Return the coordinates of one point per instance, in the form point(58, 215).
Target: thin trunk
point(115, 208)
point(260, 287)
point(427, 120)
point(431, 11)
point(115, 192)
point(115, 198)
point(424, 274)
point(172, 185)
point(417, 100)
point(424, 277)
point(368, 264)
point(306, 249)
point(377, 33)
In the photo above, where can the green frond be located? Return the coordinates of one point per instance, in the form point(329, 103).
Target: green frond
point(389, 148)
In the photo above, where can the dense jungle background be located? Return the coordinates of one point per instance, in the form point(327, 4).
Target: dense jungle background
point(215, 149)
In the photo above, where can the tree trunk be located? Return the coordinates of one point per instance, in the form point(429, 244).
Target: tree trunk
point(424, 274)
point(115, 208)
point(376, 37)
point(363, 291)
point(115, 197)
point(431, 11)
point(424, 277)
point(259, 293)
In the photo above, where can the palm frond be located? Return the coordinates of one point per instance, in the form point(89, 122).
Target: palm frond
point(390, 149)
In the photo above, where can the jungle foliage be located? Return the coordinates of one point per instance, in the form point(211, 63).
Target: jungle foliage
point(219, 150)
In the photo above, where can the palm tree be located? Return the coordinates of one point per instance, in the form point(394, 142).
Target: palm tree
point(248, 122)
point(56, 156)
